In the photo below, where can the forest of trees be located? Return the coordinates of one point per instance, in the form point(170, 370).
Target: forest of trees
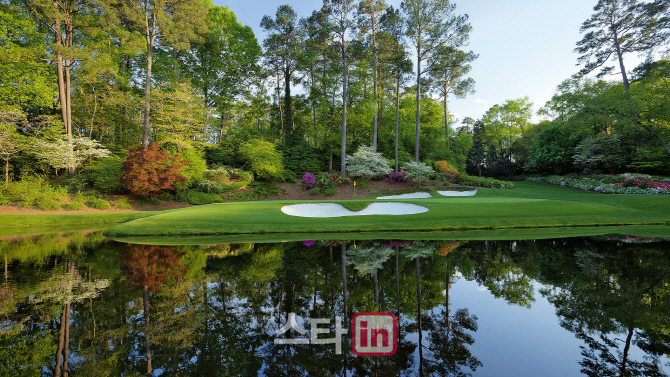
point(111, 75)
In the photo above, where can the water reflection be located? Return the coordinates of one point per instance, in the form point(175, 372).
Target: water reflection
point(79, 304)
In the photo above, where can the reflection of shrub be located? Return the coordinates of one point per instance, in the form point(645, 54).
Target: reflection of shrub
point(199, 197)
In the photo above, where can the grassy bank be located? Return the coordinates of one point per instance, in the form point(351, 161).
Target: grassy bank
point(531, 205)
point(497, 234)
point(34, 224)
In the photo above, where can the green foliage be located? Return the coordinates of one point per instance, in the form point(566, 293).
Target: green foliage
point(46, 203)
point(604, 151)
point(315, 191)
point(227, 152)
point(256, 191)
point(99, 203)
point(219, 175)
point(418, 172)
point(105, 175)
point(266, 190)
point(552, 149)
point(29, 190)
point(467, 180)
point(122, 203)
point(329, 191)
point(195, 167)
point(198, 197)
point(74, 206)
point(262, 159)
point(343, 181)
point(302, 158)
point(234, 186)
point(75, 182)
point(210, 186)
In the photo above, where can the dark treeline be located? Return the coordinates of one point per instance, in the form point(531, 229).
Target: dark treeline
point(189, 77)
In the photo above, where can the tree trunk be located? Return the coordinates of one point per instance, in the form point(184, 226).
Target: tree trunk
point(446, 113)
point(61, 90)
point(344, 112)
point(61, 343)
point(418, 103)
point(344, 279)
point(147, 95)
point(68, 96)
point(397, 119)
point(147, 324)
point(419, 319)
point(288, 111)
point(374, 67)
point(626, 85)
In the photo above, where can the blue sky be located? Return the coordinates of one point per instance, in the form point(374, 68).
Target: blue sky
point(525, 47)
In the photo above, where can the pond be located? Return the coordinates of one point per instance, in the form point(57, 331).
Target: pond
point(80, 304)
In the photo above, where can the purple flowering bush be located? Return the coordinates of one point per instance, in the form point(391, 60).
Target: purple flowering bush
point(309, 180)
point(400, 176)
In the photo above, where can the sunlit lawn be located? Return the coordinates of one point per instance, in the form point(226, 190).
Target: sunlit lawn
point(531, 205)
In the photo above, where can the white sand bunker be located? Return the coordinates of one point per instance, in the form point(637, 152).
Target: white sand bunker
point(413, 195)
point(338, 210)
point(457, 193)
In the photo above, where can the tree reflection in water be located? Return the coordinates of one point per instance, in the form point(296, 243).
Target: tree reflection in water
point(81, 304)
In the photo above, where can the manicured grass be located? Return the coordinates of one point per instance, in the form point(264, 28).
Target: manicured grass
point(531, 205)
point(47, 220)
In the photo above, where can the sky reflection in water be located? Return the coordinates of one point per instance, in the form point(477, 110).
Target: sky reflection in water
point(80, 303)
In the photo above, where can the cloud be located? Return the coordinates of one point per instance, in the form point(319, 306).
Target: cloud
point(482, 101)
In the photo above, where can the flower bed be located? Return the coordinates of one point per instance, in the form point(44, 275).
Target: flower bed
point(611, 184)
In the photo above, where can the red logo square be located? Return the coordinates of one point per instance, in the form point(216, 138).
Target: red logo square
point(374, 334)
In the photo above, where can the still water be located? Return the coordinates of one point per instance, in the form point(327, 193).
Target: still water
point(78, 304)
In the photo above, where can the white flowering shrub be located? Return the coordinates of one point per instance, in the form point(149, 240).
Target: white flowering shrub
point(418, 172)
point(69, 152)
point(365, 161)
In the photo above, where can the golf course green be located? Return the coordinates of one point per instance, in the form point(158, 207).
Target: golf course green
point(530, 205)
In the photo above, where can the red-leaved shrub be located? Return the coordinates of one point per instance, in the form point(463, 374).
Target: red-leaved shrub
point(149, 172)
